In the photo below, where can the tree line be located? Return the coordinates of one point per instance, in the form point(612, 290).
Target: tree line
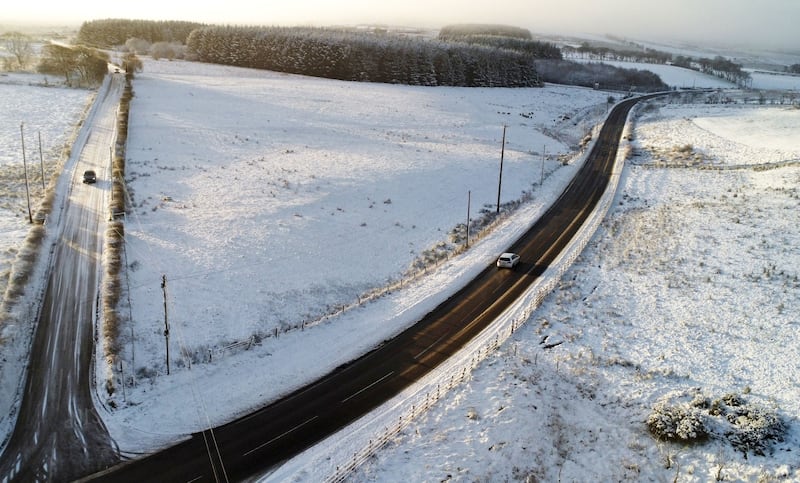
point(549, 62)
point(112, 32)
point(369, 56)
point(718, 66)
point(725, 69)
point(599, 75)
point(634, 54)
point(457, 32)
point(500, 37)
point(471, 55)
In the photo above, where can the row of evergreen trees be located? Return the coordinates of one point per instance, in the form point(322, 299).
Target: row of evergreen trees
point(363, 56)
point(596, 74)
point(109, 33)
point(471, 55)
point(500, 37)
point(458, 32)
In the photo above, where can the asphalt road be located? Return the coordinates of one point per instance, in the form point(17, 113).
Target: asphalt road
point(251, 445)
point(58, 435)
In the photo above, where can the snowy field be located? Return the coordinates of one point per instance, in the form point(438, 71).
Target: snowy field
point(682, 78)
point(51, 113)
point(269, 223)
point(691, 284)
point(327, 190)
point(677, 77)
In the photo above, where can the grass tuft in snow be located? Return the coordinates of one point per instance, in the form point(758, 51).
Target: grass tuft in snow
point(23, 265)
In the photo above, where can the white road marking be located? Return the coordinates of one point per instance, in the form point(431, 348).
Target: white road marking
point(280, 436)
point(365, 388)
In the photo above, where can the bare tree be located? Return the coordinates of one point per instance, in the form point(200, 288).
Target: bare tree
point(19, 45)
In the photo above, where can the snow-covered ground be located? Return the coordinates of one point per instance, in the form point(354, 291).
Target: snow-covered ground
point(682, 78)
point(768, 80)
point(271, 200)
point(47, 113)
point(677, 77)
point(322, 193)
point(691, 283)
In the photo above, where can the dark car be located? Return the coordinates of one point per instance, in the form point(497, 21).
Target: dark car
point(89, 176)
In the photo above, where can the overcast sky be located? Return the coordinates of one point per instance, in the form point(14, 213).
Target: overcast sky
point(743, 22)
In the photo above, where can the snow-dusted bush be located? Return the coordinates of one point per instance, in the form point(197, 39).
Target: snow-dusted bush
point(753, 428)
point(167, 50)
point(677, 422)
point(690, 416)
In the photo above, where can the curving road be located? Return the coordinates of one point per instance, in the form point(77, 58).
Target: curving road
point(58, 435)
point(251, 445)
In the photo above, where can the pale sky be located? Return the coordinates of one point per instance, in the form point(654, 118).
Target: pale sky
point(743, 22)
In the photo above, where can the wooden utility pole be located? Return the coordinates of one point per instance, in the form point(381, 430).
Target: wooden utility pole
point(500, 180)
point(469, 199)
point(25, 168)
point(122, 373)
point(166, 322)
point(41, 161)
point(543, 156)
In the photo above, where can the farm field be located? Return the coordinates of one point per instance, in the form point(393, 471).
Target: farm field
point(273, 222)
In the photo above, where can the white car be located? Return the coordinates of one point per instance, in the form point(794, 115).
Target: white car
point(507, 260)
